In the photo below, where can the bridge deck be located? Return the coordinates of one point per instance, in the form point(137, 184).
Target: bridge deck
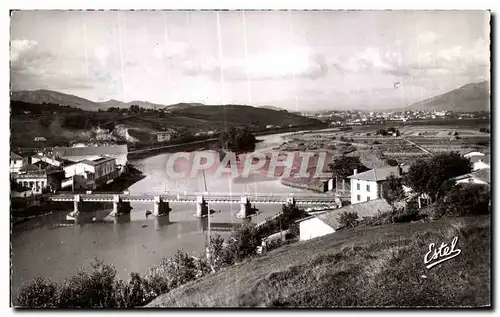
point(209, 198)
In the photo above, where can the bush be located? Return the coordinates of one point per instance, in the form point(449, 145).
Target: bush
point(172, 272)
point(465, 200)
point(89, 290)
point(348, 219)
point(39, 293)
point(132, 294)
point(382, 132)
point(376, 142)
point(392, 162)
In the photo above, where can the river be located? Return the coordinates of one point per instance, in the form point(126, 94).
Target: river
point(52, 247)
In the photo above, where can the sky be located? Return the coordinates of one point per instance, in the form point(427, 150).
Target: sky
point(297, 60)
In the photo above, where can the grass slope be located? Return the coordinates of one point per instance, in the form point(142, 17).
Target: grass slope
point(365, 267)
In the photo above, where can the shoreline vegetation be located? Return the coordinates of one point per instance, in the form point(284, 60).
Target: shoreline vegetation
point(353, 262)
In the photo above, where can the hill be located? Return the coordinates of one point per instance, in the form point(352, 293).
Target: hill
point(124, 105)
point(469, 98)
point(367, 266)
point(53, 97)
point(183, 105)
point(61, 125)
point(273, 108)
point(237, 114)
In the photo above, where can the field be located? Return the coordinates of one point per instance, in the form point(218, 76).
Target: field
point(375, 150)
point(363, 267)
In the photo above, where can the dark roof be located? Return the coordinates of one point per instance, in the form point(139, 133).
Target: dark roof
point(98, 161)
point(379, 174)
point(482, 175)
point(89, 150)
point(14, 156)
point(365, 209)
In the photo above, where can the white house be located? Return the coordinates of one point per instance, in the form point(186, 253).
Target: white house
point(367, 186)
point(76, 154)
point(16, 162)
point(328, 222)
point(480, 162)
point(482, 176)
point(96, 171)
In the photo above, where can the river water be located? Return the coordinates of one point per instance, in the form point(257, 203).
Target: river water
point(52, 247)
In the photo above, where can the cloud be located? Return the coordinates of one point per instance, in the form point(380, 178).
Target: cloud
point(18, 48)
point(293, 62)
point(454, 60)
point(427, 37)
point(285, 63)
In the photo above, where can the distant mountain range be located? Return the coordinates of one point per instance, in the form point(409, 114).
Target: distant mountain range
point(48, 96)
point(468, 98)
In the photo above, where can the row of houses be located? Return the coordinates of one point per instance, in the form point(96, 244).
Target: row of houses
point(366, 195)
point(67, 168)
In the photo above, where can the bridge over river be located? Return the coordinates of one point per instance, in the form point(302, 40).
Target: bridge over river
point(121, 201)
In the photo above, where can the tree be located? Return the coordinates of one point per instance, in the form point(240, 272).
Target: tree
point(131, 294)
point(392, 191)
point(348, 219)
point(465, 200)
point(428, 176)
point(236, 139)
point(39, 293)
point(344, 166)
point(382, 132)
point(90, 290)
point(216, 248)
point(244, 243)
point(392, 162)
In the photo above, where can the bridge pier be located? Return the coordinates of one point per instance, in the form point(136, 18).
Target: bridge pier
point(160, 208)
point(119, 207)
point(77, 205)
point(245, 208)
point(201, 207)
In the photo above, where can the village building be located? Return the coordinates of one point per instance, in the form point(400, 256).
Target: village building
point(163, 136)
point(48, 160)
point(77, 154)
point(367, 186)
point(38, 180)
point(90, 173)
point(17, 161)
point(480, 176)
point(480, 162)
point(327, 222)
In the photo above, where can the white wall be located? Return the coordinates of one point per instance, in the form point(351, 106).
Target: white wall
point(363, 192)
point(78, 169)
point(480, 166)
point(471, 180)
point(313, 228)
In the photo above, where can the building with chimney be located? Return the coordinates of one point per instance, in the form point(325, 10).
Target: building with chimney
point(367, 186)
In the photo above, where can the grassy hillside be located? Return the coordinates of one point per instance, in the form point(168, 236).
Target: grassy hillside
point(63, 124)
point(367, 266)
point(245, 115)
point(468, 98)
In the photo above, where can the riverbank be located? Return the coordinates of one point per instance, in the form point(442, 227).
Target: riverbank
point(25, 209)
